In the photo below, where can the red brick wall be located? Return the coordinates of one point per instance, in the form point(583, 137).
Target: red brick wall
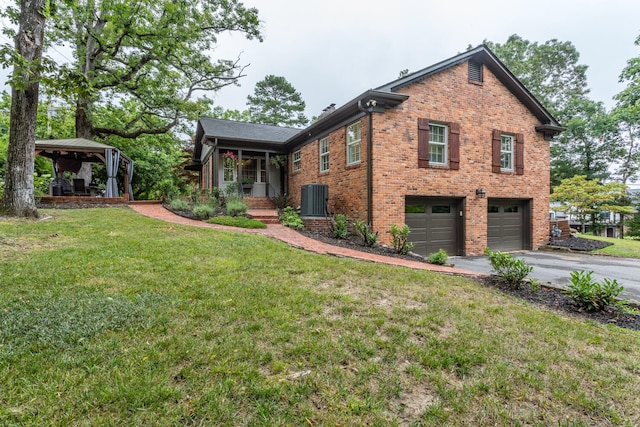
point(347, 184)
point(445, 97)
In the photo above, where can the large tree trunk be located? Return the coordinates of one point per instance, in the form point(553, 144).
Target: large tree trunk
point(18, 198)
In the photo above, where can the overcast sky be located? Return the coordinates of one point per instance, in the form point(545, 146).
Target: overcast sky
point(333, 50)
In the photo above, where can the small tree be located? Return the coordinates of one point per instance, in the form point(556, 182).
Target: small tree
point(587, 198)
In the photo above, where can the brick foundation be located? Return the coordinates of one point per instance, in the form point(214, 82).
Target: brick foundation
point(318, 224)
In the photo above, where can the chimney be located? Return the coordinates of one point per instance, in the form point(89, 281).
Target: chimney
point(330, 109)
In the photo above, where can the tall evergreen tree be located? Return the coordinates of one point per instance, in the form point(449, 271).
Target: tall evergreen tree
point(276, 102)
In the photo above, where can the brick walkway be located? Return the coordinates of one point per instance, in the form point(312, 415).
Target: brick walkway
point(294, 239)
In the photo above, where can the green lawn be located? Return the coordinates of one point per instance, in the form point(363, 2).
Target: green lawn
point(620, 247)
point(109, 318)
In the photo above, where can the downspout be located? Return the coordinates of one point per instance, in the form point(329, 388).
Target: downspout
point(368, 111)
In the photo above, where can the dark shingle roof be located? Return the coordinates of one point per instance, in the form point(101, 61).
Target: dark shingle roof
point(241, 131)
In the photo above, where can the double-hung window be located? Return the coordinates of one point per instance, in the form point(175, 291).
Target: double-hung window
point(297, 160)
point(506, 152)
point(437, 144)
point(354, 137)
point(324, 154)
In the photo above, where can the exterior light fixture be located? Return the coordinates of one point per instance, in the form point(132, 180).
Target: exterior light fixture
point(481, 193)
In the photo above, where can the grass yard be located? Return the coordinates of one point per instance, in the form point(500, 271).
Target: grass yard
point(110, 318)
point(620, 247)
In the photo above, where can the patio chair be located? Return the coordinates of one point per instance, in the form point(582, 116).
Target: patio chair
point(79, 188)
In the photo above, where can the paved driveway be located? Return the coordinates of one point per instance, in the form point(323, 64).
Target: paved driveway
point(555, 268)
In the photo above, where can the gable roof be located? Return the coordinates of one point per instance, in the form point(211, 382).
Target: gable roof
point(483, 55)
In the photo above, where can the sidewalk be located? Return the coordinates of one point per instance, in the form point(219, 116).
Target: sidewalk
point(296, 240)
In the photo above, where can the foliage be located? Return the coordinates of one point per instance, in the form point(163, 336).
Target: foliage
point(281, 201)
point(534, 284)
point(41, 184)
point(633, 225)
point(400, 237)
point(587, 146)
point(364, 230)
point(279, 161)
point(219, 112)
point(179, 205)
point(165, 189)
point(438, 258)
point(276, 102)
point(512, 270)
point(155, 56)
point(203, 211)
point(235, 206)
point(590, 295)
point(587, 198)
point(290, 218)
point(626, 116)
point(339, 226)
point(550, 70)
point(238, 221)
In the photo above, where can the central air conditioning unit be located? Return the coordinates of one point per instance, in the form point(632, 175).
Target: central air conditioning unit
point(314, 199)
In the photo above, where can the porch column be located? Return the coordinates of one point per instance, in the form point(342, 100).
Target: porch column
point(216, 165)
point(239, 183)
point(266, 164)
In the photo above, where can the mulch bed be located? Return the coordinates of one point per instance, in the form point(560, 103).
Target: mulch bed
point(352, 242)
point(579, 244)
point(558, 300)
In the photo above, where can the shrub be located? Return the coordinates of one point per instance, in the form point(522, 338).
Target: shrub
point(203, 211)
point(439, 258)
point(281, 201)
point(339, 226)
point(590, 295)
point(165, 190)
point(41, 184)
point(239, 221)
point(290, 218)
point(512, 270)
point(235, 206)
point(364, 230)
point(179, 205)
point(535, 285)
point(400, 235)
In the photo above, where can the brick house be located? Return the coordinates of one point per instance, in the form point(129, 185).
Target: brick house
point(459, 151)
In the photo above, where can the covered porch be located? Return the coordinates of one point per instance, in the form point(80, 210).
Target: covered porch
point(248, 158)
point(69, 155)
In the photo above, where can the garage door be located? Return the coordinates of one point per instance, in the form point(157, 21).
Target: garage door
point(508, 225)
point(435, 224)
